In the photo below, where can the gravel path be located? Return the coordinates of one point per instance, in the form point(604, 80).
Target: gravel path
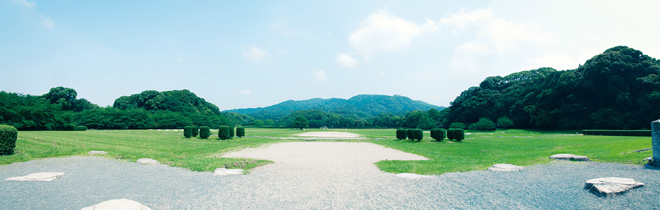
point(319, 175)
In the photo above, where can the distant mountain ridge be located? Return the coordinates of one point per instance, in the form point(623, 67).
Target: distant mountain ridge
point(362, 106)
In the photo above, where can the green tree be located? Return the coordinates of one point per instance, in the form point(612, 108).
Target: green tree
point(483, 124)
point(504, 122)
point(300, 122)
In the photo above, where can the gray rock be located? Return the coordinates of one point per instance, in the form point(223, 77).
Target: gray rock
point(118, 204)
point(42, 176)
point(225, 172)
point(610, 186)
point(505, 167)
point(413, 176)
point(93, 152)
point(569, 157)
point(147, 161)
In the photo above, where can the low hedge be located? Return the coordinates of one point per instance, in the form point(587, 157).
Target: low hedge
point(617, 132)
point(438, 134)
point(204, 132)
point(401, 134)
point(409, 133)
point(418, 134)
point(456, 134)
point(8, 136)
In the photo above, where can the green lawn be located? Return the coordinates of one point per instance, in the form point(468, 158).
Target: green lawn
point(479, 151)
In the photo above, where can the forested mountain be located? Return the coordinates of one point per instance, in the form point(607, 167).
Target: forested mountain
point(618, 89)
point(360, 106)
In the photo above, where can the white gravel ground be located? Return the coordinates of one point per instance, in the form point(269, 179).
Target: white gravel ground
point(320, 175)
point(329, 134)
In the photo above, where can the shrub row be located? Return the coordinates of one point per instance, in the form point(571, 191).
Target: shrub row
point(457, 134)
point(8, 136)
point(412, 134)
point(438, 134)
point(617, 132)
point(225, 132)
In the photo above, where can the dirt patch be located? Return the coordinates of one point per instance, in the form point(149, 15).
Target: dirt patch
point(329, 135)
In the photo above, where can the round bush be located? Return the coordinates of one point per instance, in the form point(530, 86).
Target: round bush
point(204, 132)
point(187, 131)
point(438, 134)
point(195, 131)
point(240, 132)
point(459, 134)
point(401, 134)
point(223, 132)
point(8, 136)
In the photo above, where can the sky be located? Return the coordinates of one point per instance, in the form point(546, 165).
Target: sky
point(244, 54)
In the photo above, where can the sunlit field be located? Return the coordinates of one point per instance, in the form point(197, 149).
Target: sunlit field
point(477, 152)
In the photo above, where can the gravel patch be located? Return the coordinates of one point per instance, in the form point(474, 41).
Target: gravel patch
point(320, 175)
point(329, 134)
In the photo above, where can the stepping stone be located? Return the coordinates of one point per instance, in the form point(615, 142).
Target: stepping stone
point(505, 167)
point(413, 176)
point(42, 176)
point(610, 186)
point(97, 152)
point(118, 204)
point(225, 172)
point(147, 161)
point(569, 157)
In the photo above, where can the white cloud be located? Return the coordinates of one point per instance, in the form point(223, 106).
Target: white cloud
point(255, 54)
point(48, 22)
point(382, 31)
point(463, 18)
point(468, 57)
point(320, 74)
point(346, 60)
point(244, 92)
point(26, 3)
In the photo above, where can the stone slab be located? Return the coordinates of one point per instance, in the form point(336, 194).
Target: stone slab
point(505, 167)
point(147, 161)
point(118, 204)
point(41, 176)
point(610, 186)
point(569, 157)
point(94, 152)
point(225, 172)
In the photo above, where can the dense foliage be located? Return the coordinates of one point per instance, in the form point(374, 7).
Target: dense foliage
point(417, 134)
point(401, 134)
point(614, 90)
point(300, 122)
point(438, 134)
point(224, 132)
point(484, 124)
point(240, 132)
point(617, 132)
point(8, 136)
point(187, 131)
point(204, 132)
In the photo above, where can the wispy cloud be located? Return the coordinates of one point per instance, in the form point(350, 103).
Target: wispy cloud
point(255, 54)
point(382, 31)
point(346, 60)
point(320, 74)
point(26, 3)
point(48, 22)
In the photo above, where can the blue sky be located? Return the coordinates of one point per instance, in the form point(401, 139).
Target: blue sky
point(240, 54)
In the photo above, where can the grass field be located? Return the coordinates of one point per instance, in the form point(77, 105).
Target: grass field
point(479, 151)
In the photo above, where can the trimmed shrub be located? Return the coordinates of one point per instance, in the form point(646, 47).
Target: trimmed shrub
point(231, 131)
point(409, 134)
point(438, 134)
point(223, 132)
point(484, 124)
point(80, 128)
point(401, 134)
point(617, 132)
point(504, 122)
point(418, 134)
point(450, 133)
point(8, 136)
point(457, 125)
point(187, 131)
point(240, 132)
point(195, 131)
point(459, 134)
point(204, 132)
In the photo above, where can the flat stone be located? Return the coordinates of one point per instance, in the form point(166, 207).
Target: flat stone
point(42, 176)
point(609, 186)
point(225, 172)
point(505, 167)
point(118, 204)
point(147, 161)
point(93, 152)
point(569, 157)
point(413, 176)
